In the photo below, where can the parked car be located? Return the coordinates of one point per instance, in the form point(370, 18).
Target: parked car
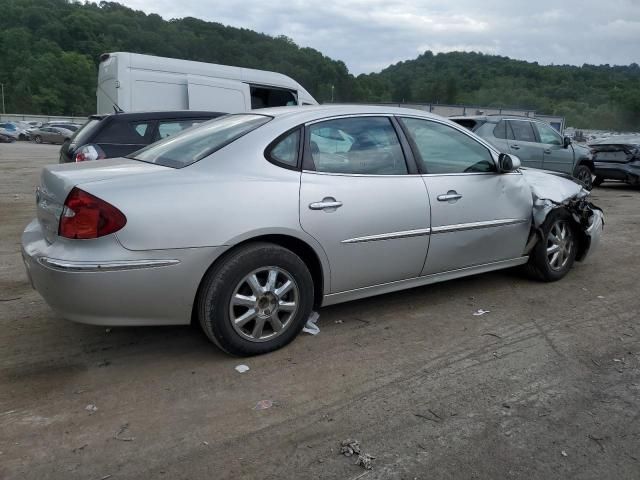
point(617, 158)
point(6, 138)
point(13, 130)
point(51, 135)
point(247, 224)
point(119, 134)
point(536, 143)
point(67, 126)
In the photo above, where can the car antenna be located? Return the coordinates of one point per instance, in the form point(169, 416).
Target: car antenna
point(117, 109)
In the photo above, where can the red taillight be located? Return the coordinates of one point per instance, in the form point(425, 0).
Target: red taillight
point(85, 216)
point(89, 152)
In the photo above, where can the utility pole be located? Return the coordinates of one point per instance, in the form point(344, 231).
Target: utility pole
point(332, 87)
point(3, 110)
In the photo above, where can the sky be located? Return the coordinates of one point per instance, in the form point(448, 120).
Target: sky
point(369, 35)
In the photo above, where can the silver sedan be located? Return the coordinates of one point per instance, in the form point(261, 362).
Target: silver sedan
point(250, 221)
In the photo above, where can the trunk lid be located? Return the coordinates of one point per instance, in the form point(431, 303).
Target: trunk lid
point(56, 181)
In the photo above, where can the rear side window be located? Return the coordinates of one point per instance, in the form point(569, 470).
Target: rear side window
point(364, 145)
point(196, 143)
point(126, 133)
point(443, 149)
point(286, 151)
point(503, 130)
point(264, 97)
point(522, 130)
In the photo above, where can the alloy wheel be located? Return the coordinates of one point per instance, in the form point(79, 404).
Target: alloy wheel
point(559, 245)
point(264, 304)
point(584, 175)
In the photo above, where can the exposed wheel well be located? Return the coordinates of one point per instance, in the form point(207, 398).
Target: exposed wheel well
point(586, 162)
point(297, 246)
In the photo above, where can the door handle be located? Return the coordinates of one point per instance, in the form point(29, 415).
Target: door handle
point(327, 203)
point(451, 196)
point(515, 147)
point(547, 151)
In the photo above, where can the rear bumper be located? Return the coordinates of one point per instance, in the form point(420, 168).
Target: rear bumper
point(626, 172)
point(136, 288)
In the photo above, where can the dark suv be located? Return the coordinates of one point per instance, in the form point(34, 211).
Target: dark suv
point(119, 134)
point(537, 144)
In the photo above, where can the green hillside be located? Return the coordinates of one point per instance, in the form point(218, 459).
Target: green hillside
point(49, 51)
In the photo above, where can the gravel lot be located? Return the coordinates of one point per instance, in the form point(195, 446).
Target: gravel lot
point(546, 385)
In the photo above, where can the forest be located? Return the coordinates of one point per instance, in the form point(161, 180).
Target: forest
point(49, 52)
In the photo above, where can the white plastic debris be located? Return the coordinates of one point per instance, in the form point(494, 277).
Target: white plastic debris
point(564, 454)
point(310, 327)
point(479, 312)
point(242, 368)
point(600, 297)
point(91, 408)
point(263, 405)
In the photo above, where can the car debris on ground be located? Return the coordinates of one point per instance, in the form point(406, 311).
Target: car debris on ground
point(310, 327)
point(242, 368)
point(350, 448)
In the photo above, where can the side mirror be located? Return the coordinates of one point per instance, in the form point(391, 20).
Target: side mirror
point(508, 163)
point(567, 142)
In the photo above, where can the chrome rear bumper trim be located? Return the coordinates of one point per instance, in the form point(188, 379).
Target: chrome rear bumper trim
point(115, 266)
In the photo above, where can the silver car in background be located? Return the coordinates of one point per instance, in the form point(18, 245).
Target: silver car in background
point(250, 221)
point(52, 134)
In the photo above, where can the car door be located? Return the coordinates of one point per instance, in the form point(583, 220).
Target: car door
point(555, 156)
point(57, 135)
point(478, 215)
point(524, 143)
point(46, 134)
point(366, 206)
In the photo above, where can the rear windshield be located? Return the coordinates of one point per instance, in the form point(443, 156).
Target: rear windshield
point(197, 142)
point(82, 134)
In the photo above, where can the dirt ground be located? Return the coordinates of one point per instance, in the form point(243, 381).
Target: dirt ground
point(546, 385)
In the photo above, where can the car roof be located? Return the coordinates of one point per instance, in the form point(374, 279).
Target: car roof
point(318, 111)
point(155, 115)
point(495, 117)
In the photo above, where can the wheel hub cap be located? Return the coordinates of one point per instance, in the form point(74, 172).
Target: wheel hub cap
point(264, 304)
point(559, 245)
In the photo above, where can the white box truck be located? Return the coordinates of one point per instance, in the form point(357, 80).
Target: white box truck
point(131, 82)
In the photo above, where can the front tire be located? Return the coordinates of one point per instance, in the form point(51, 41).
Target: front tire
point(598, 181)
point(38, 139)
point(584, 174)
point(255, 300)
point(553, 256)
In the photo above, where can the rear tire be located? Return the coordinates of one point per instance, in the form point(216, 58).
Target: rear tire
point(598, 181)
point(584, 174)
point(38, 139)
point(256, 300)
point(554, 255)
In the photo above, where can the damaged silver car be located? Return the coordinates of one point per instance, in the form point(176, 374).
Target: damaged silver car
point(248, 222)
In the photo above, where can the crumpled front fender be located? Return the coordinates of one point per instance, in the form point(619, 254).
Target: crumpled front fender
point(551, 190)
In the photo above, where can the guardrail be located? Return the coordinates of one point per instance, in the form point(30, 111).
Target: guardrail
point(19, 117)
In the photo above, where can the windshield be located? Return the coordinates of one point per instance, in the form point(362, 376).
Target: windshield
point(197, 142)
